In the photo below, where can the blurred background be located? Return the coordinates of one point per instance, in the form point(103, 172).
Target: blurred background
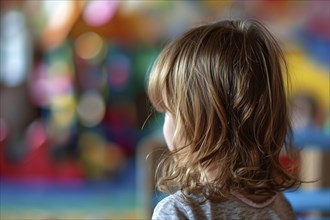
point(75, 129)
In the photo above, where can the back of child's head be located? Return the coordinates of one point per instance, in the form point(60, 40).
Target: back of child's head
point(223, 85)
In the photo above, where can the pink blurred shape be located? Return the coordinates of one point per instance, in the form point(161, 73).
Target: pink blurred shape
point(36, 135)
point(39, 85)
point(98, 13)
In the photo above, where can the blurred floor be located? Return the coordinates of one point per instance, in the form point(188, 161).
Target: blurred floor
point(33, 199)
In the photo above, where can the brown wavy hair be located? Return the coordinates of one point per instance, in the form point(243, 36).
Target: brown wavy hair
point(223, 83)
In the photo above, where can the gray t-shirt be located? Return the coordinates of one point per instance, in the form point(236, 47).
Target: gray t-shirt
point(175, 207)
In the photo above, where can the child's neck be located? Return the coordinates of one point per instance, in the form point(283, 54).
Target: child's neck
point(248, 198)
point(256, 201)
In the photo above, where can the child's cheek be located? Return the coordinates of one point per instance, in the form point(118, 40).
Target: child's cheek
point(168, 130)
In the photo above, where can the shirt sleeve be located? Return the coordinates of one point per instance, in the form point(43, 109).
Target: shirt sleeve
point(169, 209)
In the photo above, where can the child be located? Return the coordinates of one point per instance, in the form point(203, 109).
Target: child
point(226, 121)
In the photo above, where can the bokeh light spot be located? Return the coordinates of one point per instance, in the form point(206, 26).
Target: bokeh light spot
point(98, 13)
point(89, 45)
point(63, 110)
point(14, 49)
point(36, 135)
point(59, 12)
point(91, 109)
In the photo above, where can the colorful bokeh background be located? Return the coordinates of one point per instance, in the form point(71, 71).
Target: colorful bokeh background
point(73, 107)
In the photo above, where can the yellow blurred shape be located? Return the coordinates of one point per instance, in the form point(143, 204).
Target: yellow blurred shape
point(308, 77)
point(63, 110)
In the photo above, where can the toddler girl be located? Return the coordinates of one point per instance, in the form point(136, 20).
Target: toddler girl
point(221, 89)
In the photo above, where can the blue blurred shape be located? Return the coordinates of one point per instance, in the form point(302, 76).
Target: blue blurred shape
point(312, 138)
point(310, 200)
point(317, 47)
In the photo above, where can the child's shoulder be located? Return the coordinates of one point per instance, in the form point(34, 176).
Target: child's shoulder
point(176, 206)
point(171, 207)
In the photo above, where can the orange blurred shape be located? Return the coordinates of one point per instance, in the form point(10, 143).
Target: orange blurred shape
point(60, 22)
